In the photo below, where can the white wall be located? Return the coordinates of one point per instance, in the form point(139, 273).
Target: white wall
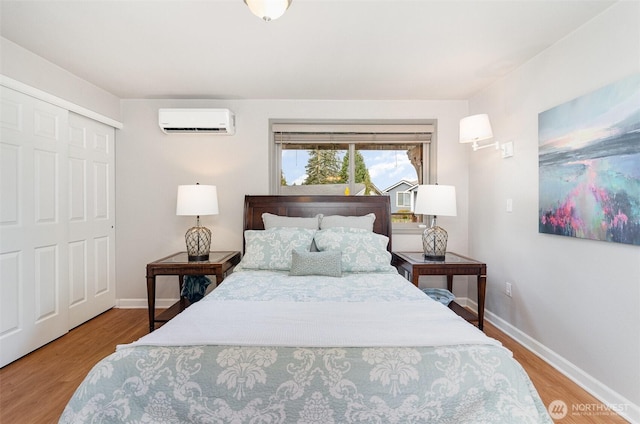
point(150, 165)
point(579, 298)
point(22, 65)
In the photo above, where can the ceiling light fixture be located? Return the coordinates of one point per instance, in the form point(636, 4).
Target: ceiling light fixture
point(268, 10)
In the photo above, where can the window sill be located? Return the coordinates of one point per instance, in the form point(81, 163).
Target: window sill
point(408, 228)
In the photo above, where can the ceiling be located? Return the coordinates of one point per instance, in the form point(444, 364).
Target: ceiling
point(320, 49)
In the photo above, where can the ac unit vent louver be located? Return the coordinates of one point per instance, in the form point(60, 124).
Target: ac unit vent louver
point(211, 121)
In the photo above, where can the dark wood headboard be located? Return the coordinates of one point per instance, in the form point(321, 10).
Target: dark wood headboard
point(308, 206)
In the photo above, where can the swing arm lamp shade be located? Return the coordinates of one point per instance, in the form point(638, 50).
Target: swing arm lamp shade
point(475, 128)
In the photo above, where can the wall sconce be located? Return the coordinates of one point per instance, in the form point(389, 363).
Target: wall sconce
point(476, 128)
point(196, 200)
point(268, 10)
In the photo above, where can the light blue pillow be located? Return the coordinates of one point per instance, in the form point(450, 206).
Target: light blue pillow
point(362, 250)
point(271, 249)
point(326, 263)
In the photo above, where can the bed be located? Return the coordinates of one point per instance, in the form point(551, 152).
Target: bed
point(313, 326)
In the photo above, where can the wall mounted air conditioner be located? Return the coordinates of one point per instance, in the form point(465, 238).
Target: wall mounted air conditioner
point(212, 121)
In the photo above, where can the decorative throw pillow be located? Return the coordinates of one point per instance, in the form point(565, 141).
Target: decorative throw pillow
point(273, 221)
point(271, 249)
point(364, 222)
point(326, 263)
point(362, 250)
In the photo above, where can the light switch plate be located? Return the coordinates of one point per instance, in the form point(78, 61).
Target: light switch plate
point(507, 149)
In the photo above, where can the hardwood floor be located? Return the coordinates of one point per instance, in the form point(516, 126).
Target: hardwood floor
point(582, 408)
point(36, 388)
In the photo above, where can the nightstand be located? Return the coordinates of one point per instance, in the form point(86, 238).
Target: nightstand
point(178, 264)
point(412, 265)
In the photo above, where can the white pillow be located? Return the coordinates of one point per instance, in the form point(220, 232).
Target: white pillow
point(271, 249)
point(364, 222)
point(362, 250)
point(273, 221)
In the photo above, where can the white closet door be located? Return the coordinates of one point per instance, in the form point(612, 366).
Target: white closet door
point(33, 231)
point(91, 219)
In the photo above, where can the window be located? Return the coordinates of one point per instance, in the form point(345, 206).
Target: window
point(357, 159)
point(403, 199)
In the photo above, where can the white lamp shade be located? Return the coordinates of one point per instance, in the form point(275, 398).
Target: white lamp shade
point(268, 9)
point(197, 200)
point(475, 128)
point(438, 200)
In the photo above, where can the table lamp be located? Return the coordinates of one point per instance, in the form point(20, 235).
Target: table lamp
point(435, 200)
point(197, 200)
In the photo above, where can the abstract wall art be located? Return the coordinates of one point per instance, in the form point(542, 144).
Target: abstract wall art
point(589, 165)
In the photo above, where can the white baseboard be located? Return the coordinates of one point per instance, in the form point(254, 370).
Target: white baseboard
point(142, 303)
point(618, 403)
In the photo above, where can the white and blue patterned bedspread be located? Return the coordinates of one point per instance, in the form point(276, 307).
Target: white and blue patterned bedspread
point(351, 287)
point(466, 383)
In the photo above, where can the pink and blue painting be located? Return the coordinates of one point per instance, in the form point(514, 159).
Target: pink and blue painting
point(589, 165)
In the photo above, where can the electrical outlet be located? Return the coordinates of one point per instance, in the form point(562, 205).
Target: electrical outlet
point(507, 289)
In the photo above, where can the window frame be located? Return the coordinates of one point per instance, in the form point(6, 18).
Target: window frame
point(429, 157)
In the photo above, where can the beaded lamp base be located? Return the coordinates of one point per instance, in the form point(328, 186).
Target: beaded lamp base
point(434, 243)
point(198, 241)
